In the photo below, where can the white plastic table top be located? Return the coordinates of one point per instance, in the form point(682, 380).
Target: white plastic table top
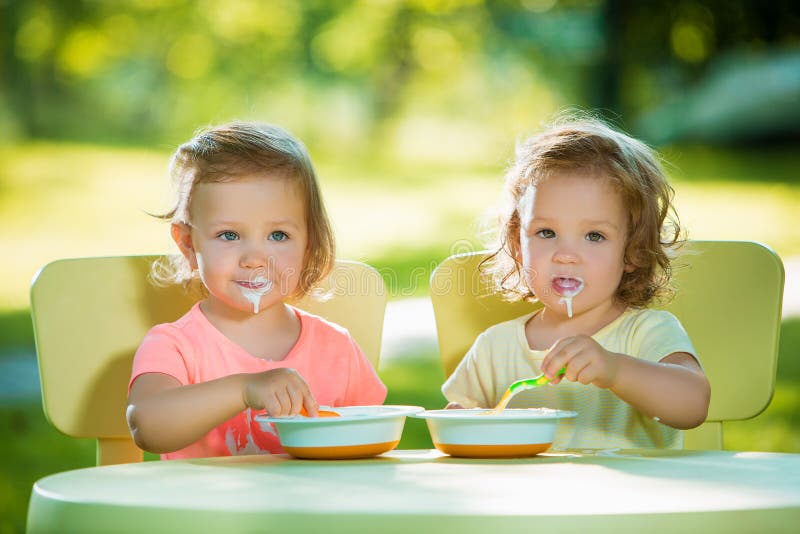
point(419, 491)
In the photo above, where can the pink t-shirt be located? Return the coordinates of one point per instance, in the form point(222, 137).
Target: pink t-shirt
point(192, 350)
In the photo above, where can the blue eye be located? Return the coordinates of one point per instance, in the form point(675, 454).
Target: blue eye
point(228, 235)
point(546, 233)
point(278, 235)
point(595, 237)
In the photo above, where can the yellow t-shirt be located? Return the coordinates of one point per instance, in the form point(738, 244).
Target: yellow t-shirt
point(501, 356)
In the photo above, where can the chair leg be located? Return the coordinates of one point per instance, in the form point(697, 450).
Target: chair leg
point(118, 451)
point(707, 436)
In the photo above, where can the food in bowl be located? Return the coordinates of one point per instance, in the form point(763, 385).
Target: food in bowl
point(358, 431)
point(478, 433)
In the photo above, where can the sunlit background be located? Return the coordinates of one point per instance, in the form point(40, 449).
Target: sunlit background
point(410, 109)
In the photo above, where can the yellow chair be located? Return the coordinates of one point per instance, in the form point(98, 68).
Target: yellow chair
point(90, 314)
point(729, 300)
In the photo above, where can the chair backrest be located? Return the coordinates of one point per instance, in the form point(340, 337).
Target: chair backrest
point(90, 314)
point(729, 298)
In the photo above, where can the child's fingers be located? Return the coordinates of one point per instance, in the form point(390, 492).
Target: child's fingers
point(285, 397)
point(558, 357)
point(280, 392)
point(310, 404)
point(551, 353)
point(295, 397)
point(295, 394)
point(579, 370)
point(272, 405)
point(304, 401)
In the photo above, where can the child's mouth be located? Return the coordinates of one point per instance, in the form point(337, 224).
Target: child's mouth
point(254, 289)
point(255, 284)
point(567, 286)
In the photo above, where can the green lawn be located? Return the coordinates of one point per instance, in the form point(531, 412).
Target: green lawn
point(61, 201)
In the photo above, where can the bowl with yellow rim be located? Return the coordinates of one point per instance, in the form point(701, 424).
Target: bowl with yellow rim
point(357, 432)
point(479, 433)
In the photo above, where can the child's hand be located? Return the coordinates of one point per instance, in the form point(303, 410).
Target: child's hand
point(280, 391)
point(584, 359)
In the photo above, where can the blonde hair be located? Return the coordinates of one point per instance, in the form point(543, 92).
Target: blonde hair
point(224, 153)
point(587, 143)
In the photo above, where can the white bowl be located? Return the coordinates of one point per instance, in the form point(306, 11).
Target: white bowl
point(476, 433)
point(359, 432)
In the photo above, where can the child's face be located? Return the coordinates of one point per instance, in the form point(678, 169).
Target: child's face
point(573, 232)
point(243, 230)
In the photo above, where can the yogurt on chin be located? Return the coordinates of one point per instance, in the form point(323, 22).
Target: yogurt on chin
point(254, 289)
point(568, 287)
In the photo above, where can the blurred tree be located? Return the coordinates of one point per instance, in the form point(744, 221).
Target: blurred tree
point(359, 71)
point(666, 46)
point(712, 71)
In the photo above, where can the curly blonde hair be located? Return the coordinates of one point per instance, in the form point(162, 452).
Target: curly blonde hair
point(587, 143)
point(224, 153)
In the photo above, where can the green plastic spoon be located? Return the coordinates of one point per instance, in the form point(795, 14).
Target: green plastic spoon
point(521, 385)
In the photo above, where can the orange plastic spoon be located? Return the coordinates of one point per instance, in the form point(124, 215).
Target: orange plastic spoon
point(320, 413)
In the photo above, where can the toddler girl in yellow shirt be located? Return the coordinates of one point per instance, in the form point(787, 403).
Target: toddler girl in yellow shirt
point(588, 232)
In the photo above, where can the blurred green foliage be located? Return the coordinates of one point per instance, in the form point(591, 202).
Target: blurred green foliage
point(364, 75)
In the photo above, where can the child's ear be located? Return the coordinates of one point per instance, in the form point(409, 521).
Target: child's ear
point(629, 267)
point(182, 235)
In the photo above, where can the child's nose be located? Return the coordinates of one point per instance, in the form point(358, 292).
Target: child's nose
point(565, 255)
point(255, 255)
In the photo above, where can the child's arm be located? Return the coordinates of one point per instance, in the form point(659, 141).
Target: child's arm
point(165, 416)
point(673, 390)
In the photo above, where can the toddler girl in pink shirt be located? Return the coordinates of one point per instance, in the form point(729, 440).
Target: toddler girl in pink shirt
point(250, 224)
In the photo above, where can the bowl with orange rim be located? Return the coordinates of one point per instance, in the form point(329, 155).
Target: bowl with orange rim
point(350, 432)
point(480, 433)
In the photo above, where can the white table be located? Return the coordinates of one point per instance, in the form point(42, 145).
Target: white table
point(419, 491)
